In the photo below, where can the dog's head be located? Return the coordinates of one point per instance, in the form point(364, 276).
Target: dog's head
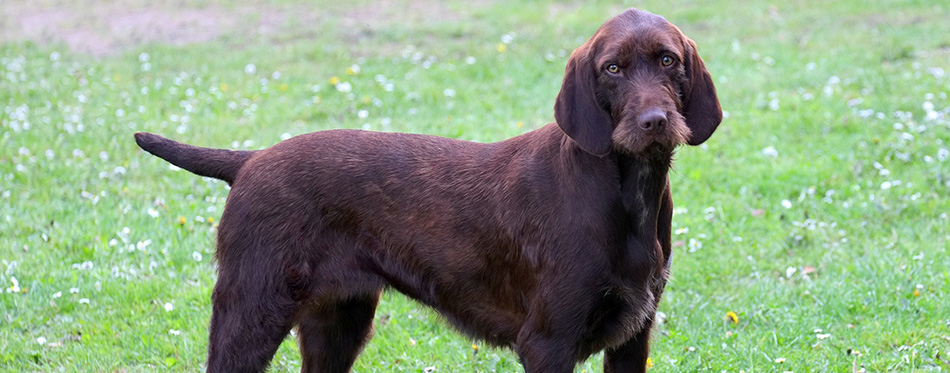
point(637, 82)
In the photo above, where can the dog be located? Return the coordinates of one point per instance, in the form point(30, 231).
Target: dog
point(554, 243)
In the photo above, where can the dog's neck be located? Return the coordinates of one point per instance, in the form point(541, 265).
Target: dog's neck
point(643, 180)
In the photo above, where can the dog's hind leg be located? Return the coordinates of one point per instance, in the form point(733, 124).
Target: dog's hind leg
point(253, 311)
point(331, 335)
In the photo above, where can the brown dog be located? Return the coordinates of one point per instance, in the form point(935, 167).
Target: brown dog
point(555, 243)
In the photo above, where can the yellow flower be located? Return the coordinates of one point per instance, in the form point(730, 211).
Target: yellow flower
point(224, 87)
point(334, 80)
point(210, 220)
point(501, 47)
point(731, 316)
point(916, 292)
point(283, 87)
point(649, 363)
point(520, 124)
point(181, 220)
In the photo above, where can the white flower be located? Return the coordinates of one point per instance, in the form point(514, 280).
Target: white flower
point(173, 332)
point(694, 245)
point(83, 300)
point(250, 69)
point(15, 288)
point(344, 87)
point(786, 203)
point(448, 92)
point(169, 307)
point(362, 114)
point(152, 212)
point(196, 256)
point(41, 340)
point(770, 152)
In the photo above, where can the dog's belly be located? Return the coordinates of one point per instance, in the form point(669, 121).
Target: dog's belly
point(481, 297)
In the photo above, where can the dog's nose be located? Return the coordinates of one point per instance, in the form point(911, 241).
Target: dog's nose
point(653, 119)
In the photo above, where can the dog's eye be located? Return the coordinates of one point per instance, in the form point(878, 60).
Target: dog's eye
point(667, 60)
point(613, 68)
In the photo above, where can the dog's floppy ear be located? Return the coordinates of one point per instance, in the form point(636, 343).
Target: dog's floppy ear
point(576, 109)
point(700, 105)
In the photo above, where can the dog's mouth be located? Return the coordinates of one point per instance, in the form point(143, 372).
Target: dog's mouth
point(630, 138)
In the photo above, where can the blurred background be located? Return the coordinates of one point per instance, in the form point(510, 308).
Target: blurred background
point(811, 230)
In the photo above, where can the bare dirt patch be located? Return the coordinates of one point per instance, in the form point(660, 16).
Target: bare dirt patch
point(108, 27)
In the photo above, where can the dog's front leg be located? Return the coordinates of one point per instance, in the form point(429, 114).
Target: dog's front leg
point(632, 355)
point(550, 338)
point(542, 353)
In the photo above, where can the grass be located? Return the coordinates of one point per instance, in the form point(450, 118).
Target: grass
point(817, 214)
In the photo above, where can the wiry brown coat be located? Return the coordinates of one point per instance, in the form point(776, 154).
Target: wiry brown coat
point(555, 243)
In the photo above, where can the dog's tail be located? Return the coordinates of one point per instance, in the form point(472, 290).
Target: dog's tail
point(220, 164)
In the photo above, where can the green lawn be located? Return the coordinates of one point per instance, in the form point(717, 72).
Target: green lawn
point(817, 214)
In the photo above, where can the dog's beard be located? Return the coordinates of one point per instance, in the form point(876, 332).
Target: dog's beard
point(629, 140)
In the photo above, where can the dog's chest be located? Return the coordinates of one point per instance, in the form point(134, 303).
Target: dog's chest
point(642, 185)
point(637, 273)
